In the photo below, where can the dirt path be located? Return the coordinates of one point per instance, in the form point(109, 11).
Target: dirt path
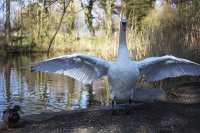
point(146, 118)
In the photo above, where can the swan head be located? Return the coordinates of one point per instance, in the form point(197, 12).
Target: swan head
point(123, 23)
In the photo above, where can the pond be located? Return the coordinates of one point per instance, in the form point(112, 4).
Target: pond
point(37, 92)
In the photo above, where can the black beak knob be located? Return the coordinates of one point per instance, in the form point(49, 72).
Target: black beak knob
point(124, 24)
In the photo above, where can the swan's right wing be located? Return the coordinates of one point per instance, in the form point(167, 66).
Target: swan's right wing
point(80, 67)
point(158, 68)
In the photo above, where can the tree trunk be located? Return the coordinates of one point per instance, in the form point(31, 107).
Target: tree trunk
point(89, 16)
point(59, 25)
point(21, 23)
point(7, 23)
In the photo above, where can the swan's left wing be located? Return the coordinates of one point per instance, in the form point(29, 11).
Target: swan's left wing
point(81, 67)
point(158, 68)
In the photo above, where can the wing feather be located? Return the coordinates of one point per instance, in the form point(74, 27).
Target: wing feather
point(81, 67)
point(158, 68)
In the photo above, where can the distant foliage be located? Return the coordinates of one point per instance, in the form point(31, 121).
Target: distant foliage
point(174, 31)
point(152, 31)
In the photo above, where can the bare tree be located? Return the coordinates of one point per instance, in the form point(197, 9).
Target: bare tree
point(7, 23)
point(65, 5)
point(89, 15)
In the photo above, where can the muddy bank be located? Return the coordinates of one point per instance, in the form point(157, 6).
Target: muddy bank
point(144, 118)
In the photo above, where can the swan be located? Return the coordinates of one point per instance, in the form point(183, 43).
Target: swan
point(123, 72)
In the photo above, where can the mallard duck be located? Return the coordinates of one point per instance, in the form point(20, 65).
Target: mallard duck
point(11, 116)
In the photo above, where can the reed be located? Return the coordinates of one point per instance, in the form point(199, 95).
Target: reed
point(167, 31)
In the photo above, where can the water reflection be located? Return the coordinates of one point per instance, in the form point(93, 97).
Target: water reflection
point(38, 92)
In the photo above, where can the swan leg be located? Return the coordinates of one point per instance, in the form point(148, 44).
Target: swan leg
point(130, 101)
point(131, 98)
point(113, 105)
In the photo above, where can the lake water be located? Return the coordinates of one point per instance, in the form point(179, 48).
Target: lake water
point(37, 92)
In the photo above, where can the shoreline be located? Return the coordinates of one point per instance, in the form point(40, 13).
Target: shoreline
point(147, 117)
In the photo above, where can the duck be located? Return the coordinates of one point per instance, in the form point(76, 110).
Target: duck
point(11, 116)
point(123, 72)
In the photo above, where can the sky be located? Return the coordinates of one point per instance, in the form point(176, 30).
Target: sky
point(159, 3)
point(14, 7)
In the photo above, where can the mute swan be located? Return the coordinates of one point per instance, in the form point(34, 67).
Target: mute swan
point(123, 72)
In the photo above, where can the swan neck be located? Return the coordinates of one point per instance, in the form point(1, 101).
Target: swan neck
point(122, 36)
point(123, 50)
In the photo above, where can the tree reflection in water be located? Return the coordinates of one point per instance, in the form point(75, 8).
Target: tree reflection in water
point(38, 92)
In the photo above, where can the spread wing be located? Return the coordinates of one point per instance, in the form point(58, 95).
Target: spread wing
point(158, 68)
point(80, 67)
